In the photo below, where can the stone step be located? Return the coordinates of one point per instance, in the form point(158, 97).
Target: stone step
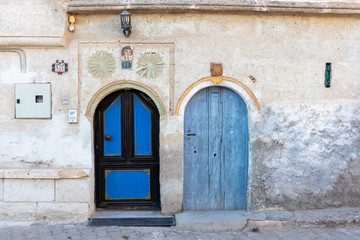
point(132, 219)
point(211, 220)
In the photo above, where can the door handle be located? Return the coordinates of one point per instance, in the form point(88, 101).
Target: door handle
point(108, 137)
point(191, 134)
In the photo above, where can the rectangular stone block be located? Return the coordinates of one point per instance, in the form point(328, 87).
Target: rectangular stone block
point(44, 173)
point(31, 173)
point(63, 212)
point(28, 190)
point(44, 212)
point(269, 224)
point(72, 190)
point(74, 173)
point(18, 211)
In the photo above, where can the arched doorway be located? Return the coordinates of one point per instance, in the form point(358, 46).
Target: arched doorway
point(215, 151)
point(126, 132)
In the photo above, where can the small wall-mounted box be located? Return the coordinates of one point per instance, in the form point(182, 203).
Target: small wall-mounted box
point(72, 115)
point(33, 100)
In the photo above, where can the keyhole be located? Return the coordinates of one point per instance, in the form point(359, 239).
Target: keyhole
point(214, 154)
point(195, 151)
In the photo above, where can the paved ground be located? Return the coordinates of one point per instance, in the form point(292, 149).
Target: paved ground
point(75, 232)
point(324, 224)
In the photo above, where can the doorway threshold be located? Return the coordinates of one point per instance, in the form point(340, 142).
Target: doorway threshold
point(131, 219)
point(210, 221)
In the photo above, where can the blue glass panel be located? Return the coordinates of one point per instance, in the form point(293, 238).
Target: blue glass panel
point(112, 126)
point(125, 184)
point(142, 133)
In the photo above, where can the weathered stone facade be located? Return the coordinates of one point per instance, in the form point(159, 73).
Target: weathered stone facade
point(304, 139)
point(317, 147)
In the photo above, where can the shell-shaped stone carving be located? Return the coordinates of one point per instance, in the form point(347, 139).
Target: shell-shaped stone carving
point(102, 64)
point(149, 65)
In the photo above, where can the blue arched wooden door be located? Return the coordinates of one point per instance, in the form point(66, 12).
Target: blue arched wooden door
point(126, 127)
point(215, 151)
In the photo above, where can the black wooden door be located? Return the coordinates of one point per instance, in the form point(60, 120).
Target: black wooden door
point(126, 127)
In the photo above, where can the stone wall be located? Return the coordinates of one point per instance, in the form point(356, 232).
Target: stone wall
point(45, 195)
point(304, 138)
point(306, 156)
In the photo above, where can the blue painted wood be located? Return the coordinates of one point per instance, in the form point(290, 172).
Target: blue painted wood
point(112, 126)
point(235, 150)
point(142, 131)
point(214, 159)
point(215, 177)
point(127, 184)
point(196, 177)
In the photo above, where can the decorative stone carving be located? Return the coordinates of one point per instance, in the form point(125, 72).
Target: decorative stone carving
point(216, 69)
point(102, 64)
point(149, 65)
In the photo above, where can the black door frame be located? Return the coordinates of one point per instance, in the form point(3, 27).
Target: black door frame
point(128, 160)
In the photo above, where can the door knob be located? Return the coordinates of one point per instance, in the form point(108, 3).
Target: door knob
point(108, 137)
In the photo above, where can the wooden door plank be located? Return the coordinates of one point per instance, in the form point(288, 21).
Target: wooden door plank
point(196, 176)
point(215, 134)
point(235, 150)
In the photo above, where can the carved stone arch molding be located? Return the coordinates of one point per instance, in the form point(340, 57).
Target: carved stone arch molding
point(115, 86)
point(237, 86)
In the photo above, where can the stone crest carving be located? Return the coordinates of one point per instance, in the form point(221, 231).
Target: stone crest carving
point(216, 69)
point(149, 65)
point(101, 64)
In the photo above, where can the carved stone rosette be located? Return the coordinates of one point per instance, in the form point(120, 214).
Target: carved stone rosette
point(101, 64)
point(149, 65)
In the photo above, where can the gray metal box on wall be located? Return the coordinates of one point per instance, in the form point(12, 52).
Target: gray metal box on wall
point(33, 100)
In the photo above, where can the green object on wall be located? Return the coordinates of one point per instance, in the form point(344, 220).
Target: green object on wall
point(327, 74)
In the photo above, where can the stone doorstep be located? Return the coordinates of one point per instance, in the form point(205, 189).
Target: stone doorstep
point(214, 221)
point(63, 173)
point(131, 219)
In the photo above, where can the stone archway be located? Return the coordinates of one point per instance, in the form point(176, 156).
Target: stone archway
point(119, 85)
point(231, 83)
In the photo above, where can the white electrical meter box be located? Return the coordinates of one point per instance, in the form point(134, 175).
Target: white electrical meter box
point(33, 100)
